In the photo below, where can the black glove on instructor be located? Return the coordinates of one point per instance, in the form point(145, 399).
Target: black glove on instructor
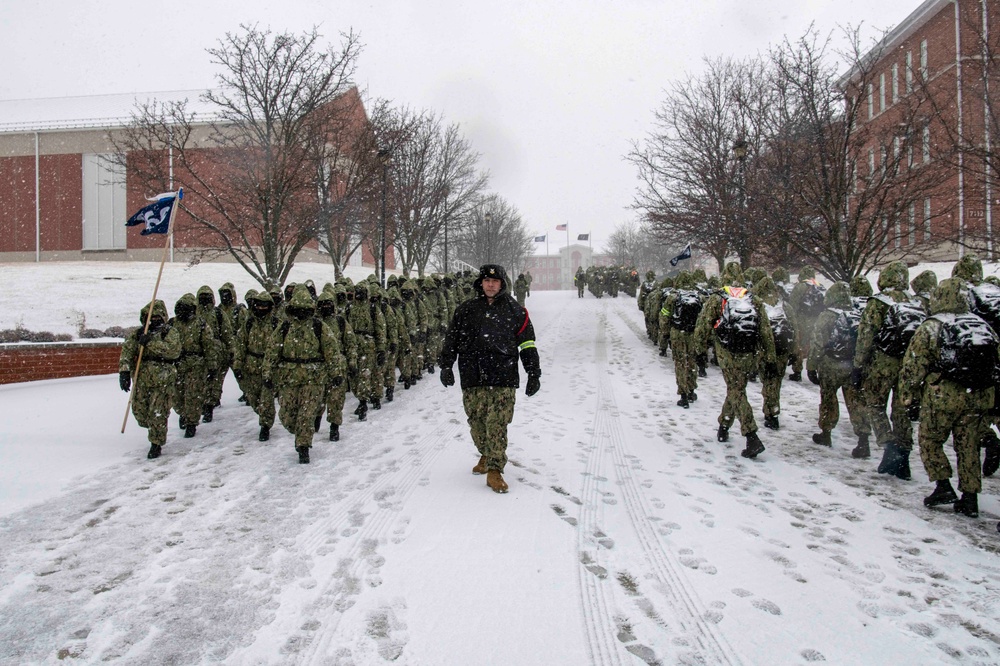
point(531, 388)
point(447, 376)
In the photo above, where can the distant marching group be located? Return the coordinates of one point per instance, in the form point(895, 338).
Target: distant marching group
point(935, 350)
point(305, 349)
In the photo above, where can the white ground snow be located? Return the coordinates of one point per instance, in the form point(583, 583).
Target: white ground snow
point(629, 535)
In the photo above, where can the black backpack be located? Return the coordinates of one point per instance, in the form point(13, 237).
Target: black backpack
point(687, 307)
point(984, 301)
point(813, 301)
point(968, 348)
point(844, 336)
point(784, 333)
point(738, 326)
point(900, 323)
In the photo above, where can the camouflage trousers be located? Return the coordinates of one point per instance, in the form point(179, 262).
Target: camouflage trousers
point(366, 381)
point(334, 398)
point(151, 404)
point(883, 373)
point(299, 404)
point(947, 409)
point(736, 369)
point(803, 336)
point(213, 391)
point(832, 380)
point(260, 398)
point(579, 290)
point(663, 332)
point(520, 300)
point(191, 385)
point(490, 410)
point(770, 387)
point(685, 361)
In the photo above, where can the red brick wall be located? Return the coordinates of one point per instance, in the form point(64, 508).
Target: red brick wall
point(31, 362)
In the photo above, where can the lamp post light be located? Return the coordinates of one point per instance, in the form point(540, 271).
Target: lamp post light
point(383, 156)
point(489, 238)
point(740, 153)
point(446, 192)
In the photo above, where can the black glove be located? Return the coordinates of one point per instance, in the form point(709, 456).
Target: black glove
point(447, 376)
point(913, 411)
point(531, 388)
point(125, 380)
point(238, 374)
point(857, 377)
point(144, 338)
point(336, 381)
point(380, 357)
point(813, 376)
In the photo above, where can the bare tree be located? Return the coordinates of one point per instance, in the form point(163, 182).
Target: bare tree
point(630, 245)
point(252, 174)
point(494, 233)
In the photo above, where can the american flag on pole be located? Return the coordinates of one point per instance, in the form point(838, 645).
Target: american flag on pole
point(560, 227)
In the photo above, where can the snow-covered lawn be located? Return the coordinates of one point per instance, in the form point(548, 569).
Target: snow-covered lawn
point(629, 535)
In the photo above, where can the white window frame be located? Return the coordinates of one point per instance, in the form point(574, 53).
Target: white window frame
point(895, 82)
point(881, 92)
point(909, 72)
point(913, 225)
point(927, 218)
point(871, 101)
point(923, 59)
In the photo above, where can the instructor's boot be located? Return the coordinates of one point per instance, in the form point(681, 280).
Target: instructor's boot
point(822, 438)
point(968, 505)
point(862, 450)
point(303, 454)
point(943, 494)
point(154, 451)
point(495, 481)
point(334, 432)
point(480, 467)
point(754, 446)
point(723, 434)
point(265, 434)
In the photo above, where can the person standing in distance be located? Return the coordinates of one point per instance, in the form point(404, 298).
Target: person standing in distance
point(486, 336)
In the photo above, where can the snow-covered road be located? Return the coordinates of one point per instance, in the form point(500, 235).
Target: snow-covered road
point(629, 535)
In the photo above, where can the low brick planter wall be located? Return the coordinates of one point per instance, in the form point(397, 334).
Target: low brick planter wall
point(28, 362)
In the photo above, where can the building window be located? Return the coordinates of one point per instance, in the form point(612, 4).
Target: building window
point(913, 225)
point(895, 82)
point(895, 228)
point(883, 156)
point(923, 60)
point(927, 144)
point(895, 149)
point(871, 164)
point(871, 102)
point(909, 72)
point(927, 219)
point(881, 92)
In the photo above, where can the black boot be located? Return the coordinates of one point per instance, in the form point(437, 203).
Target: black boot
point(991, 461)
point(663, 352)
point(362, 411)
point(206, 413)
point(265, 434)
point(318, 422)
point(890, 459)
point(754, 446)
point(822, 438)
point(943, 494)
point(190, 431)
point(303, 454)
point(771, 422)
point(242, 398)
point(795, 377)
point(752, 377)
point(407, 383)
point(862, 450)
point(334, 432)
point(376, 403)
point(723, 434)
point(154, 451)
point(430, 368)
point(692, 397)
point(702, 372)
point(902, 468)
point(389, 393)
point(683, 402)
point(968, 505)
point(181, 423)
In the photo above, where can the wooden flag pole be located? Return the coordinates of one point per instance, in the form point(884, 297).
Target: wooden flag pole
point(149, 313)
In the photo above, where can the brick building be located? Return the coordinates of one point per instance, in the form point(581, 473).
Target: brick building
point(63, 198)
point(937, 53)
point(556, 271)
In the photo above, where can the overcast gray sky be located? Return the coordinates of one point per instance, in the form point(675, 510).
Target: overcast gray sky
point(551, 93)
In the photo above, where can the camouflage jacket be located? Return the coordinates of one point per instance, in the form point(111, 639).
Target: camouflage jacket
point(296, 356)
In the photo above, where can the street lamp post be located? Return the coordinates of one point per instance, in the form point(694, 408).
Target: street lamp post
point(446, 192)
point(740, 152)
point(489, 238)
point(383, 156)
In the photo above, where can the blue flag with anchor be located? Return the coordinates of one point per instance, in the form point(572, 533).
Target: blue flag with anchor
point(156, 216)
point(685, 254)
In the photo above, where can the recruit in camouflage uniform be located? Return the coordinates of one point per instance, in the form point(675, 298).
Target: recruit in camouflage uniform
point(877, 373)
point(829, 365)
point(654, 303)
point(393, 343)
point(682, 343)
point(334, 397)
point(253, 339)
point(415, 322)
point(520, 289)
point(403, 351)
point(736, 367)
point(437, 318)
point(765, 289)
point(663, 319)
point(369, 332)
point(241, 318)
point(801, 319)
point(222, 333)
point(947, 398)
point(302, 359)
point(580, 280)
point(156, 384)
point(199, 359)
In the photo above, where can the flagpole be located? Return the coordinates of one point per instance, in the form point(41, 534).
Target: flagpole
point(149, 313)
point(567, 235)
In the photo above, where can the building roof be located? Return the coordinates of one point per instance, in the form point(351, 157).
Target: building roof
point(91, 111)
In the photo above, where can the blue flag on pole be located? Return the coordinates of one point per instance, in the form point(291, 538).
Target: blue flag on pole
point(540, 239)
point(685, 254)
point(155, 216)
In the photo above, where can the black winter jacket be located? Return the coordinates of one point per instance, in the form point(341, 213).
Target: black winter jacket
point(487, 340)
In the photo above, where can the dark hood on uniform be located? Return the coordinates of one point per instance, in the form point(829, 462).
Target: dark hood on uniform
point(495, 271)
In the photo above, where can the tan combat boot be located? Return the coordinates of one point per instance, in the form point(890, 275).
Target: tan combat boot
point(480, 467)
point(495, 481)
